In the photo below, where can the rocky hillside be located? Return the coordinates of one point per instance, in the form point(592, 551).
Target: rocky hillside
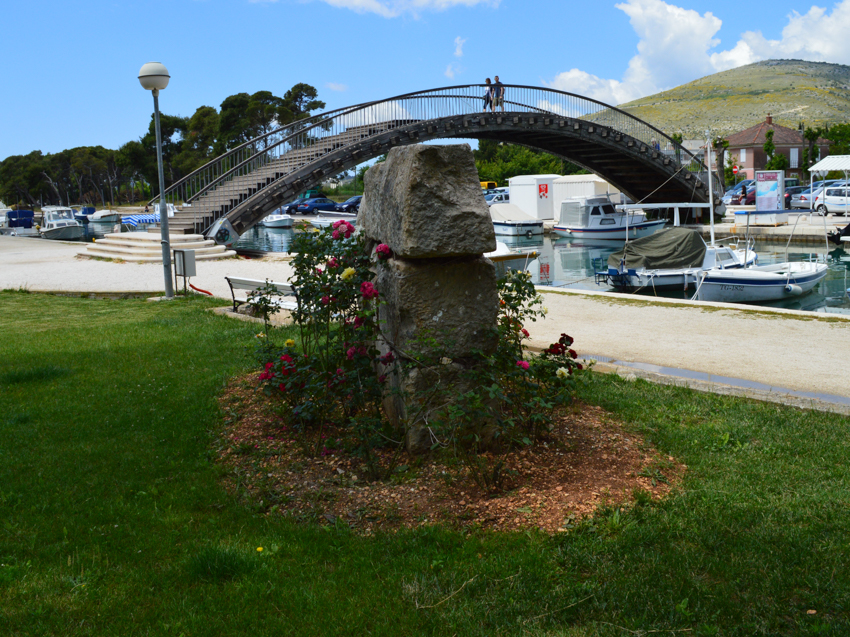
point(793, 91)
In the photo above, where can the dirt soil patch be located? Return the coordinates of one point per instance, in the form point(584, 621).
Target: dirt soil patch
point(586, 461)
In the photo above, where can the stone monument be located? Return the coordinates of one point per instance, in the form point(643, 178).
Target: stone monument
point(425, 203)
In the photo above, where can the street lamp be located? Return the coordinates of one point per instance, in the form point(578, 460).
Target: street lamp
point(154, 77)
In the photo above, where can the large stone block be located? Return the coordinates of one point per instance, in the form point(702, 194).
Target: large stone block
point(425, 202)
point(452, 300)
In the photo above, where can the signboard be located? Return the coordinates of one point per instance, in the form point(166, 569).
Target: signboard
point(543, 191)
point(770, 190)
point(734, 170)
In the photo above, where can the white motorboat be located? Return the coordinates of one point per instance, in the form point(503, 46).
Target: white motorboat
point(760, 283)
point(327, 218)
point(672, 258)
point(105, 216)
point(597, 218)
point(765, 282)
point(277, 220)
point(58, 223)
point(507, 258)
point(4, 220)
point(510, 221)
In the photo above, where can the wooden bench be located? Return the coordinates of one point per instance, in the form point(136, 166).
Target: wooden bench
point(284, 294)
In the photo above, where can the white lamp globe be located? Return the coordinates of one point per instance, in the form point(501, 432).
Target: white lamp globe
point(153, 75)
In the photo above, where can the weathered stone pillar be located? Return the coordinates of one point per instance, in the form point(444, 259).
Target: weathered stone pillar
point(425, 203)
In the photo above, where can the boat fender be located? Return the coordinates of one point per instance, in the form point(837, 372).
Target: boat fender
point(794, 290)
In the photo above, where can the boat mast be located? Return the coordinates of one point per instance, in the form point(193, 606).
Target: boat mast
point(710, 185)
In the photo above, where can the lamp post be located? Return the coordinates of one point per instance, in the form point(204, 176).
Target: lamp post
point(154, 77)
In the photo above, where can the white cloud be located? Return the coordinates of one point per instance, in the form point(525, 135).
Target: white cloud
point(395, 8)
point(677, 45)
point(451, 70)
point(337, 87)
point(459, 42)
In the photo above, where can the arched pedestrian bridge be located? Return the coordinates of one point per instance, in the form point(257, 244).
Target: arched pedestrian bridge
point(250, 181)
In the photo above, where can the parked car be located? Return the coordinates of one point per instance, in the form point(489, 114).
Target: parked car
point(836, 200)
point(807, 198)
point(790, 192)
point(497, 197)
point(350, 205)
point(291, 207)
point(732, 197)
point(311, 206)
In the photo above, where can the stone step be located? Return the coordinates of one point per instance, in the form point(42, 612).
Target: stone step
point(144, 246)
point(103, 254)
point(148, 237)
point(139, 246)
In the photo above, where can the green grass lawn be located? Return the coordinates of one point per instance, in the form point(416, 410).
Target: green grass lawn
point(114, 521)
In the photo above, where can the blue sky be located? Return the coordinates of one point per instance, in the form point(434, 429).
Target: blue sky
point(69, 69)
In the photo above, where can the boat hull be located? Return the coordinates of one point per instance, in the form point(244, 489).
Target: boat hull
point(766, 283)
point(113, 218)
point(278, 222)
point(618, 233)
point(517, 228)
point(64, 233)
point(325, 222)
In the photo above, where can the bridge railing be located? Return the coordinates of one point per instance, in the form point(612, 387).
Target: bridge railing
point(213, 189)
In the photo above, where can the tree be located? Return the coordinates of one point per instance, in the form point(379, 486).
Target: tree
point(234, 125)
point(720, 145)
point(677, 137)
point(200, 140)
point(839, 135)
point(21, 178)
point(775, 161)
point(299, 102)
point(499, 162)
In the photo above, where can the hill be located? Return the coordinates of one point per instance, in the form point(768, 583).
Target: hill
point(793, 91)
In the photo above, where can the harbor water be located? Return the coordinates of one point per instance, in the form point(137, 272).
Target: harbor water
point(572, 264)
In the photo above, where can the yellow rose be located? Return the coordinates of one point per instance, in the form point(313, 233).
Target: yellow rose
point(348, 273)
point(290, 343)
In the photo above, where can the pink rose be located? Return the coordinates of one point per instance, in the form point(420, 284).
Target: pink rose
point(523, 364)
point(368, 290)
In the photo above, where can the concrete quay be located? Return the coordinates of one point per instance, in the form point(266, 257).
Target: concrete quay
point(809, 227)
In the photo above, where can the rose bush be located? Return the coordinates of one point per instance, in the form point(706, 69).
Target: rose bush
point(336, 378)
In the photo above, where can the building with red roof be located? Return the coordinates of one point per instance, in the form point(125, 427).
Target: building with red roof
point(746, 149)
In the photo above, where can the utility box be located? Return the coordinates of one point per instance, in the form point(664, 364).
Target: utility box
point(184, 263)
point(223, 233)
point(533, 195)
point(571, 186)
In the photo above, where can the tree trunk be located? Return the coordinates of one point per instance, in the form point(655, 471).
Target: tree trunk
point(53, 186)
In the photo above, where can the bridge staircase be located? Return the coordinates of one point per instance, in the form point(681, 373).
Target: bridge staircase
point(252, 180)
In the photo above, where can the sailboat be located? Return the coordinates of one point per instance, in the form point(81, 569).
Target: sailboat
point(762, 282)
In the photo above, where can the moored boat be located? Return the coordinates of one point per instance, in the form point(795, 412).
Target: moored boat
point(597, 218)
point(105, 216)
point(510, 221)
point(672, 258)
point(760, 283)
point(58, 223)
point(278, 220)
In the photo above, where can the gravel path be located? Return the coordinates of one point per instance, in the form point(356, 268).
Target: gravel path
point(783, 348)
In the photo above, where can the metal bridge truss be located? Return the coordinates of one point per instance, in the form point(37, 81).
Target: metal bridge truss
point(248, 182)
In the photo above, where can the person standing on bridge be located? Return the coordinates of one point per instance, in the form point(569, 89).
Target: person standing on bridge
point(488, 96)
point(498, 95)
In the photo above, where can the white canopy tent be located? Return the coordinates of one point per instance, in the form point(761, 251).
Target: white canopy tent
point(840, 163)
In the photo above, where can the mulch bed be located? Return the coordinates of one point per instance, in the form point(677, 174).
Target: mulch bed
point(586, 461)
